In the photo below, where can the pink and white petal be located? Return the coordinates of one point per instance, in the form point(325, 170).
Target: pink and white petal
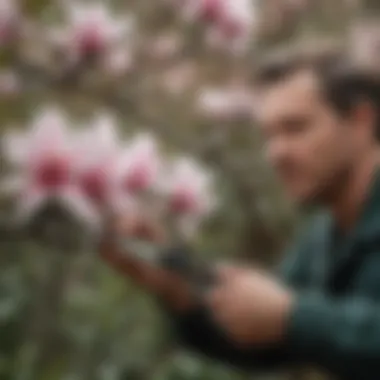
point(98, 13)
point(49, 130)
point(189, 175)
point(144, 149)
point(94, 15)
point(122, 165)
point(187, 170)
point(141, 158)
point(81, 207)
point(215, 103)
point(120, 202)
point(105, 134)
point(96, 143)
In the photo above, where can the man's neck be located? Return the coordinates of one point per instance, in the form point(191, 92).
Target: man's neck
point(348, 203)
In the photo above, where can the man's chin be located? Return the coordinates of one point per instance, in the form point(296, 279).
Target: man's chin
point(314, 195)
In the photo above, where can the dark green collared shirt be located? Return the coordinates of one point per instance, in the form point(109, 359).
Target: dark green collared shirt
point(335, 324)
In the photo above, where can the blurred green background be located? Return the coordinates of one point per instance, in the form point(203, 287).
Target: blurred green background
point(69, 317)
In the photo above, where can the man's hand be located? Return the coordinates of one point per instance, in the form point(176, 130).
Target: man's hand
point(250, 306)
point(170, 287)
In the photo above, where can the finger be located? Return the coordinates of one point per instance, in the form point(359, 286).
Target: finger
point(125, 224)
point(146, 228)
point(220, 311)
point(215, 299)
point(227, 272)
point(116, 227)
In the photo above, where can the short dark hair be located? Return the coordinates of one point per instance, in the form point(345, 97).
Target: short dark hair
point(344, 82)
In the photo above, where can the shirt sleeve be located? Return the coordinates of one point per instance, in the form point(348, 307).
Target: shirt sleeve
point(341, 336)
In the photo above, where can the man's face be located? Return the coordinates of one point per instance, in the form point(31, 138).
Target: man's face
point(310, 146)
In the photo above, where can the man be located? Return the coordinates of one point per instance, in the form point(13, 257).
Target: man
point(320, 118)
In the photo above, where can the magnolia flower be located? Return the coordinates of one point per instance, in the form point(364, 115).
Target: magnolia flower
point(235, 25)
point(229, 23)
point(44, 162)
point(211, 10)
point(139, 166)
point(188, 189)
point(92, 29)
point(97, 152)
point(226, 104)
point(188, 196)
point(9, 21)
